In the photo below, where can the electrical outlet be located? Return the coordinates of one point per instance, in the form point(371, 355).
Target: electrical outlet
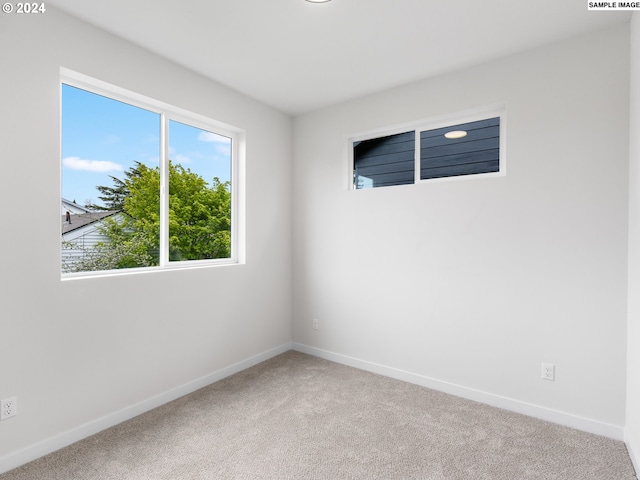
point(315, 324)
point(8, 408)
point(548, 371)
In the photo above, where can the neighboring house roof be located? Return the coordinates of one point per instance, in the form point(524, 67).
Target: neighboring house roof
point(73, 207)
point(80, 220)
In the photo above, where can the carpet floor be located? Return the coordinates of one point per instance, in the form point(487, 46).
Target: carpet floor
point(300, 417)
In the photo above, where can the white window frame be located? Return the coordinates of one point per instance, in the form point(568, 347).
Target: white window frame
point(168, 113)
point(467, 116)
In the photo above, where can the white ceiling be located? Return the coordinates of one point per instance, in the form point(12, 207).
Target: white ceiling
point(299, 56)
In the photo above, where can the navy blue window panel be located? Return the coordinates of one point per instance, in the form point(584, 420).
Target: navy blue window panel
point(384, 161)
point(478, 152)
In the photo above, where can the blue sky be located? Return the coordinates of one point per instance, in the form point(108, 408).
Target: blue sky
point(102, 137)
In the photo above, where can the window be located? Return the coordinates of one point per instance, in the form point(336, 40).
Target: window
point(144, 184)
point(465, 149)
point(473, 146)
point(384, 161)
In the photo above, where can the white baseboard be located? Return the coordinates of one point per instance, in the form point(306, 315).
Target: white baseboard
point(44, 447)
point(592, 426)
point(634, 453)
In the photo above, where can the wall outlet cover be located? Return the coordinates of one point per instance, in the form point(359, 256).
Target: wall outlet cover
point(8, 408)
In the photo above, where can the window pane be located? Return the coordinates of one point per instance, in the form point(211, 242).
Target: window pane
point(384, 161)
point(476, 150)
point(110, 183)
point(199, 194)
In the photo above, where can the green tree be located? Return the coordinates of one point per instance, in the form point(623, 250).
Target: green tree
point(199, 220)
point(113, 197)
point(199, 216)
point(142, 206)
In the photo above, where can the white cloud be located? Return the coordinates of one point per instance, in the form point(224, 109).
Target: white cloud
point(212, 137)
point(76, 163)
point(179, 158)
point(222, 143)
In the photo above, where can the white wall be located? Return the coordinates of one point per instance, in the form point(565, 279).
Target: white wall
point(470, 285)
point(633, 333)
point(76, 351)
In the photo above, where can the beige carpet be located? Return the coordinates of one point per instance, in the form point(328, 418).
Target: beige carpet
point(300, 417)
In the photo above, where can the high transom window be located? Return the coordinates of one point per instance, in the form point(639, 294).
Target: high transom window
point(471, 146)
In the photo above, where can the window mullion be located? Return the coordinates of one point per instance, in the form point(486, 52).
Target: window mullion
point(417, 157)
point(164, 190)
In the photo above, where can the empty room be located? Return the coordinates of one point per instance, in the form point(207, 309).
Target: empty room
point(299, 239)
